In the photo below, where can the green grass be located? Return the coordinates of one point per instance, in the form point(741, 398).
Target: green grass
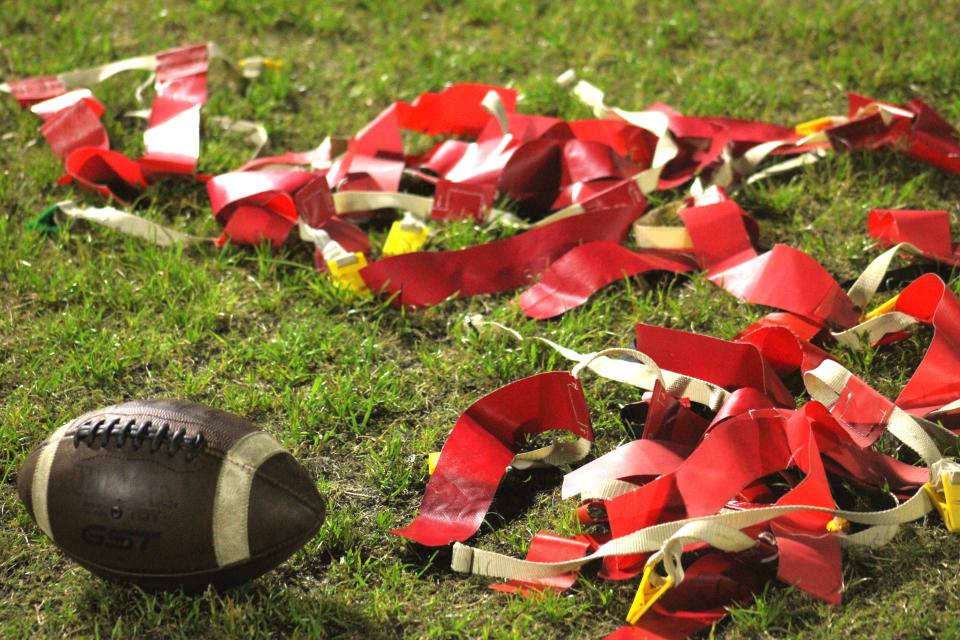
point(361, 392)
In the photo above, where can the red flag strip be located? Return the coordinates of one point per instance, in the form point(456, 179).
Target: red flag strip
point(30, 91)
point(935, 382)
point(572, 279)
point(75, 126)
point(427, 278)
point(913, 127)
point(109, 173)
point(172, 138)
point(731, 365)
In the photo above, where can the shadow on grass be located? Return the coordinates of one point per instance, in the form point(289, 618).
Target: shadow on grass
point(255, 609)
point(513, 499)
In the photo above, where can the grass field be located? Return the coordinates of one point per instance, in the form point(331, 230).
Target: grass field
point(361, 392)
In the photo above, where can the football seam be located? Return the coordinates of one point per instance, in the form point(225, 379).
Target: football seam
point(143, 414)
point(162, 414)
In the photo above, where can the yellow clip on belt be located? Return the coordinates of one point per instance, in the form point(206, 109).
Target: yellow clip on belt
point(886, 307)
point(812, 126)
point(838, 525)
point(405, 238)
point(432, 459)
point(947, 503)
point(647, 593)
point(345, 272)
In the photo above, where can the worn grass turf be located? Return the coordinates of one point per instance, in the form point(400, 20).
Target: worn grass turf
point(361, 392)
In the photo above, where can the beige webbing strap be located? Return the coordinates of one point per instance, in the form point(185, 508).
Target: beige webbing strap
point(716, 535)
point(875, 328)
point(347, 201)
point(129, 224)
point(657, 237)
point(717, 529)
point(947, 408)
point(95, 75)
point(602, 489)
point(58, 103)
point(802, 160)
point(926, 438)
point(494, 106)
point(254, 133)
point(861, 292)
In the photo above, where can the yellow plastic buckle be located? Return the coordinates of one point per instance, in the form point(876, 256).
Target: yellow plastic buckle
point(813, 126)
point(345, 272)
point(886, 307)
point(947, 502)
point(432, 459)
point(405, 238)
point(838, 525)
point(648, 593)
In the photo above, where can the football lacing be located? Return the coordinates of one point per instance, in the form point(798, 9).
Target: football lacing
point(90, 431)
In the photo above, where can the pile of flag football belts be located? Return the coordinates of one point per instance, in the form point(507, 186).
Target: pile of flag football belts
point(729, 485)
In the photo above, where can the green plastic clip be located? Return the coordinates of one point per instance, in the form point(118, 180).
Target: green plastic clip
point(45, 221)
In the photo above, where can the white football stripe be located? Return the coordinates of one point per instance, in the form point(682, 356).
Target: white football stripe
point(231, 542)
point(41, 479)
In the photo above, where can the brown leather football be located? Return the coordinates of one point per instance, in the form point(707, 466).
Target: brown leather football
point(170, 494)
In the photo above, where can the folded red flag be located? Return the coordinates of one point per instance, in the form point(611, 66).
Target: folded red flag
point(712, 582)
point(914, 127)
point(30, 91)
point(257, 205)
point(172, 139)
point(109, 173)
point(784, 277)
point(75, 127)
point(731, 365)
point(481, 446)
point(928, 231)
point(935, 382)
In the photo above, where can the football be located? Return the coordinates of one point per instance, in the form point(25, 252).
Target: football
point(169, 494)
